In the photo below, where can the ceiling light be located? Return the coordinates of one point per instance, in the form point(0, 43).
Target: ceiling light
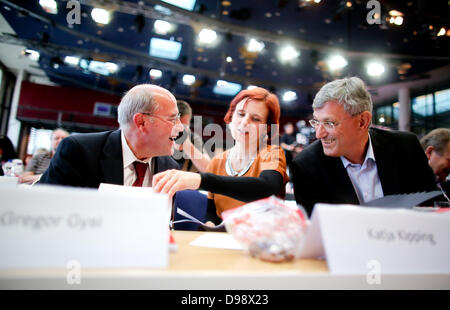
point(229, 59)
point(101, 16)
point(398, 20)
point(375, 69)
point(336, 62)
point(184, 4)
point(255, 46)
point(226, 88)
point(103, 68)
point(289, 96)
point(165, 48)
point(441, 32)
point(72, 60)
point(32, 54)
point(49, 6)
point(207, 36)
point(162, 27)
point(155, 74)
point(348, 4)
point(288, 53)
point(188, 79)
point(395, 13)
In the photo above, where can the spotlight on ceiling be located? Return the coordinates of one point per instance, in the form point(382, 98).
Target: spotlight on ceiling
point(288, 53)
point(103, 68)
point(101, 16)
point(49, 6)
point(207, 36)
point(255, 46)
point(229, 59)
point(162, 27)
point(289, 96)
point(155, 74)
point(188, 79)
point(375, 68)
point(336, 62)
point(71, 60)
point(441, 32)
point(31, 54)
point(396, 17)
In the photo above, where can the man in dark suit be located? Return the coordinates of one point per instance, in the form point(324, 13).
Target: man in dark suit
point(149, 123)
point(350, 163)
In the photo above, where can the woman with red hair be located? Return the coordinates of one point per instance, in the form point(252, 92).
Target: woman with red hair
point(252, 169)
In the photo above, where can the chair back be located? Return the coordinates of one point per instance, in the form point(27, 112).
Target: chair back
point(194, 203)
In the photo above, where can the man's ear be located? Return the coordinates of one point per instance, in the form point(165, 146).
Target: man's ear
point(139, 120)
point(428, 151)
point(365, 120)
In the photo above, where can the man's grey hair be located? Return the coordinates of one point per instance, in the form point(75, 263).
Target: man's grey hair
point(350, 92)
point(438, 138)
point(137, 100)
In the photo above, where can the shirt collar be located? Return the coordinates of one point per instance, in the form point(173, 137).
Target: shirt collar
point(369, 155)
point(128, 156)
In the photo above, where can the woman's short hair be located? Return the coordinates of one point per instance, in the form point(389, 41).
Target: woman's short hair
point(258, 94)
point(350, 92)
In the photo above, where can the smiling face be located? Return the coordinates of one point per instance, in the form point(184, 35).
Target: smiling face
point(349, 136)
point(249, 122)
point(157, 130)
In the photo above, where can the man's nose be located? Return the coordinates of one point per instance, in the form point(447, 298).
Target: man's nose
point(320, 131)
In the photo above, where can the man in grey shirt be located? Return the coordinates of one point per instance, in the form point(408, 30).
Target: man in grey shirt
point(40, 161)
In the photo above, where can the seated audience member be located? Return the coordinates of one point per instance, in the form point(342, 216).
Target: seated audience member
point(39, 163)
point(350, 163)
point(7, 151)
point(252, 169)
point(149, 123)
point(288, 142)
point(188, 147)
point(436, 145)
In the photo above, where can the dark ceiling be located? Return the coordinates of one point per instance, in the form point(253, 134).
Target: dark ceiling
point(316, 30)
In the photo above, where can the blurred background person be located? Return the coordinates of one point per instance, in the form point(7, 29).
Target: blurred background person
point(41, 160)
point(288, 142)
point(188, 146)
point(436, 145)
point(252, 169)
point(7, 151)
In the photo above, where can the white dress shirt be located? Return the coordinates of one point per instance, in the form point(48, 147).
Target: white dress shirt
point(129, 174)
point(365, 179)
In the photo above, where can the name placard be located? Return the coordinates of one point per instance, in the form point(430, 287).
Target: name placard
point(356, 239)
point(53, 227)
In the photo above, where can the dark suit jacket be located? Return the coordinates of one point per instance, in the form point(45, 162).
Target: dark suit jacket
point(86, 160)
point(401, 163)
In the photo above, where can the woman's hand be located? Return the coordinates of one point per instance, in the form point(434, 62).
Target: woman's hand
point(171, 181)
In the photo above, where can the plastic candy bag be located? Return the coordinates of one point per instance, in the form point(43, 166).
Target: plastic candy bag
point(268, 229)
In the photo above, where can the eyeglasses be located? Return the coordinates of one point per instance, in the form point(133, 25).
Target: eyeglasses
point(329, 125)
point(171, 121)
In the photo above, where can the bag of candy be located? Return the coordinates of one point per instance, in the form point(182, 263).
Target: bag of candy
point(268, 229)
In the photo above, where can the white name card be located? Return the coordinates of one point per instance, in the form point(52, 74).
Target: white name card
point(357, 239)
point(54, 227)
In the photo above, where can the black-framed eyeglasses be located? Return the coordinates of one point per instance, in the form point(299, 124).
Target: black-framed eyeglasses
point(171, 121)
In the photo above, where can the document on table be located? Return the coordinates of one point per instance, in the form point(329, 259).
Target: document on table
point(190, 218)
point(215, 240)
